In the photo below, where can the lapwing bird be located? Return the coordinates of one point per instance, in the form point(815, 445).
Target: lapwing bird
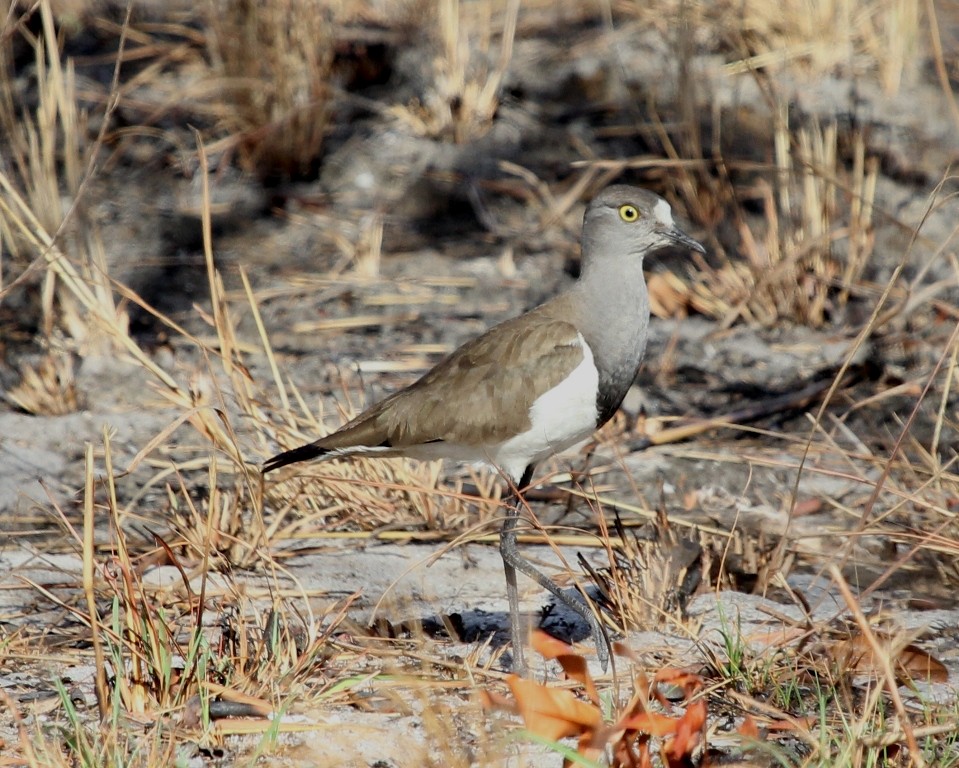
point(534, 385)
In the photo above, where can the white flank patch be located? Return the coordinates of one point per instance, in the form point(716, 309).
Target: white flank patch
point(664, 214)
point(560, 418)
point(358, 450)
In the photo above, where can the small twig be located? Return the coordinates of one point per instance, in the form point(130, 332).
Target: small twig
point(89, 587)
point(801, 399)
point(895, 737)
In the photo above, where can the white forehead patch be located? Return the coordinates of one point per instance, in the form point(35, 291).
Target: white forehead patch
point(664, 214)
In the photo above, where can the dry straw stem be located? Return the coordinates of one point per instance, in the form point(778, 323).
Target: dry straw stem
point(644, 580)
point(819, 37)
point(102, 318)
point(48, 388)
point(793, 270)
point(238, 660)
point(38, 147)
point(274, 61)
point(466, 88)
point(84, 288)
point(818, 235)
point(103, 698)
point(53, 137)
point(816, 241)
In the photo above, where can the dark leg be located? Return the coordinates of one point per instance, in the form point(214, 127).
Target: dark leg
point(507, 548)
point(507, 542)
point(513, 561)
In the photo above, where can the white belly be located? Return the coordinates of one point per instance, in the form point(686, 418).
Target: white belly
point(561, 417)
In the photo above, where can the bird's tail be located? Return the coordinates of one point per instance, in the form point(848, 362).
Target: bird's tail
point(303, 453)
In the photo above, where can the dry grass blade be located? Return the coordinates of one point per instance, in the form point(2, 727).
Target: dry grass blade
point(48, 388)
point(103, 699)
point(145, 667)
point(274, 63)
point(467, 88)
point(649, 580)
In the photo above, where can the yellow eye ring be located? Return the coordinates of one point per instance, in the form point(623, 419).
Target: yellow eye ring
point(628, 213)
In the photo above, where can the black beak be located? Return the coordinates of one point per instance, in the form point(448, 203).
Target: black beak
point(679, 237)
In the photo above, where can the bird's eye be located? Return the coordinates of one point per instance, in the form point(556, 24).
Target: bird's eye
point(628, 213)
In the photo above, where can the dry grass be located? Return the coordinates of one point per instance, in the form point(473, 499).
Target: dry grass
point(48, 388)
point(465, 92)
point(166, 671)
point(806, 39)
point(817, 239)
point(273, 64)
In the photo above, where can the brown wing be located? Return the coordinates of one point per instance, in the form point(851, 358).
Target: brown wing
point(481, 394)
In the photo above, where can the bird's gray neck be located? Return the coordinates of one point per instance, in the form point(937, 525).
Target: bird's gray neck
point(613, 316)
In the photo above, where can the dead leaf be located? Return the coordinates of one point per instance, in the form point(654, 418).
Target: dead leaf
point(805, 724)
point(749, 729)
point(556, 713)
point(632, 754)
point(916, 664)
point(775, 638)
point(651, 723)
point(855, 654)
point(689, 729)
point(690, 682)
point(573, 664)
point(621, 649)
point(548, 646)
point(552, 713)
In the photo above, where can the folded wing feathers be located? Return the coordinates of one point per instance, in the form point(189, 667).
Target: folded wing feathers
point(480, 395)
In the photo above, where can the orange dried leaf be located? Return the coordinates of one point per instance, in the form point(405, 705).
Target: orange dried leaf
point(915, 664)
point(591, 746)
point(774, 638)
point(688, 730)
point(552, 712)
point(855, 654)
point(639, 700)
point(690, 684)
point(806, 507)
point(490, 700)
point(749, 729)
point(621, 649)
point(573, 664)
point(630, 753)
point(804, 724)
point(651, 723)
point(576, 669)
point(548, 646)
point(681, 678)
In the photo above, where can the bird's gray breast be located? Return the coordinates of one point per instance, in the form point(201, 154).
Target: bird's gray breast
point(615, 379)
point(618, 346)
point(610, 306)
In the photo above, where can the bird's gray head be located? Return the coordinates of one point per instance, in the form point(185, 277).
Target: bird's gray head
point(629, 221)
